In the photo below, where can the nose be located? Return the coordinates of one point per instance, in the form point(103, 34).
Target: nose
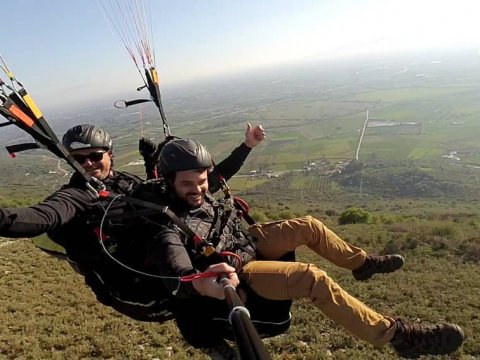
point(87, 162)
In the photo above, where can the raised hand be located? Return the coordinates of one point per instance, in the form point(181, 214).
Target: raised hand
point(254, 135)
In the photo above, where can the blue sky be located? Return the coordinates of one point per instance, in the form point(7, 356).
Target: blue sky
point(65, 50)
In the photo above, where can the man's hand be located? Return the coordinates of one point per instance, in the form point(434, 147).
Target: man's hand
point(210, 286)
point(254, 136)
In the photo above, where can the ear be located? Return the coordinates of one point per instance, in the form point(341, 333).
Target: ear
point(170, 179)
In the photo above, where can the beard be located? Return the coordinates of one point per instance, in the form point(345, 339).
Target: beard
point(192, 200)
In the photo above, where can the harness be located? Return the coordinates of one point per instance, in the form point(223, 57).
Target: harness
point(212, 233)
point(131, 286)
point(223, 237)
point(220, 227)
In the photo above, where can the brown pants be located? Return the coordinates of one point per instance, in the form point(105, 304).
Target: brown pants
point(279, 280)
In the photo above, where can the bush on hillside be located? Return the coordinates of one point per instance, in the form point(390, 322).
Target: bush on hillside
point(331, 212)
point(258, 216)
point(355, 215)
point(446, 230)
point(470, 251)
point(286, 214)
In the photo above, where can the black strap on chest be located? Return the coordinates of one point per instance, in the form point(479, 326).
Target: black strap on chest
point(222, 215)
point(152, 207)
point(206, 248)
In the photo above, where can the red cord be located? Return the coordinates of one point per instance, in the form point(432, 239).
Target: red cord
point(208, 274)
point(236, 256)
point(192, 277)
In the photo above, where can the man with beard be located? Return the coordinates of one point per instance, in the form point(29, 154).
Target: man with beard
point(185, 165)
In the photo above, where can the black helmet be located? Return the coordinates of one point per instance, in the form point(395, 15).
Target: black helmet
point(86, 136)
point(183, 154)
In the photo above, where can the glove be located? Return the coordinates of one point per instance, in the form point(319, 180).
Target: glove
point(147, 149)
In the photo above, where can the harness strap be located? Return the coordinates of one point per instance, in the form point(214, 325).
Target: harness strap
point(207, 249)
point(217, 221)
point(165, 210)
point(242, 206)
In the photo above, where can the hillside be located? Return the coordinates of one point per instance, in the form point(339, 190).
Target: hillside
point(47, 312)
point(413, 179)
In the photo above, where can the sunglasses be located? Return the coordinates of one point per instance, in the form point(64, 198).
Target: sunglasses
point(93, 156)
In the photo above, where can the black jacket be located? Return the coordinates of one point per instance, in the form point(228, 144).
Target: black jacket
point(71, 201)
point(71, 216)
point(174, 253)
point(228, 167)
point(203, 320)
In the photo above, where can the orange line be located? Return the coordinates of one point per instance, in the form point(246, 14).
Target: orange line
point(20, 115)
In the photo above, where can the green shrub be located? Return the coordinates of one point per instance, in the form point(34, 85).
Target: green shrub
point(447, 230)
point(392, 247)
point(473, 224)
point(331, 212)
point(388, 219)
point(411, 243)
point(412, 219)
point(400, 227)
point(258, 216)
point(439, 244)
point(355, 215)
point(470, 251)
point(272, 215)
point(286, 214)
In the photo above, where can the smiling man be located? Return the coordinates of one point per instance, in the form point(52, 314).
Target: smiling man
point(185, 165)
point(96, 162)
point(91, 146)
point(65, 213)
point(191, 192)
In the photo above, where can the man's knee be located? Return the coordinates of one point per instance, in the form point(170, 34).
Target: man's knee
point(324, 289)
point(309, 226)
point(307, 280)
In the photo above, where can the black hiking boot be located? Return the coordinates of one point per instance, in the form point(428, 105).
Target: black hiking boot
point(412, 341)
point(378, 264)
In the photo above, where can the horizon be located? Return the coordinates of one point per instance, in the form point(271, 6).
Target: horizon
point(66, 53)
point(187, 88)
